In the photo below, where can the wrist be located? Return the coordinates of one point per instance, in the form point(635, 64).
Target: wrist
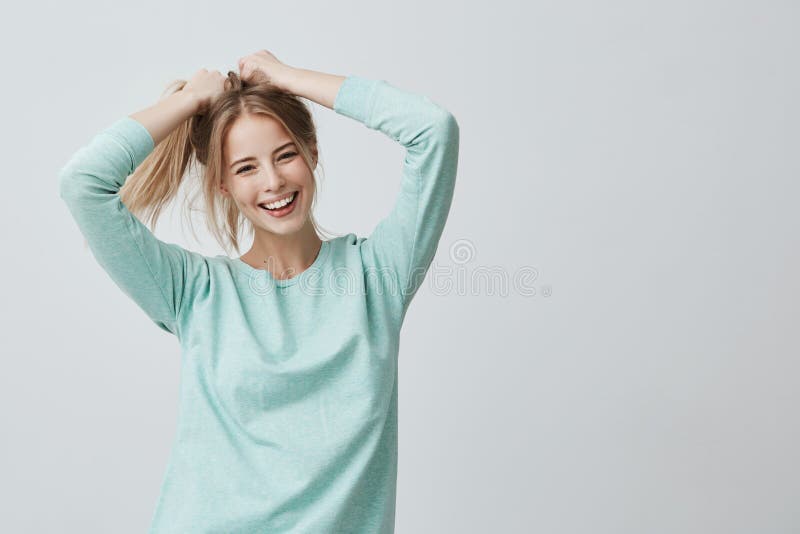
point(287, 79)
point(188, 102)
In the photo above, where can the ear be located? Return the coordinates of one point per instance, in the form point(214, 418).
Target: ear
point(223, 190)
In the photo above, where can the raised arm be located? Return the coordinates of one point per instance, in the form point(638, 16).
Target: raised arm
point(406, 240)
point(155, 274)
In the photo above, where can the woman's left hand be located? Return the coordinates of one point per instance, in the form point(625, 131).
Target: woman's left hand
point(264, 66)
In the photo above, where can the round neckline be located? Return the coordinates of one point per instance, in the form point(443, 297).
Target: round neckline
point(252, 271)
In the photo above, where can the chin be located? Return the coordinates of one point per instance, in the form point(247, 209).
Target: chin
point(280, 227)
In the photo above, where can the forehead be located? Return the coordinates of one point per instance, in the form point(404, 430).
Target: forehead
point(251, 135)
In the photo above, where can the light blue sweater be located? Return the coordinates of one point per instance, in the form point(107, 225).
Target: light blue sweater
point(288, 393)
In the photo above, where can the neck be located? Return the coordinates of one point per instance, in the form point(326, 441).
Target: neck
point(284, 256)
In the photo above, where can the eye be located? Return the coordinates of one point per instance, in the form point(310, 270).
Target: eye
point(285, 155)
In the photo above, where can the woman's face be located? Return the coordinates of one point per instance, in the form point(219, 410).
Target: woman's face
point(263, 165)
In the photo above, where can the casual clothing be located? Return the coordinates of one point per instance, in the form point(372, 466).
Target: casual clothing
point(288, 392)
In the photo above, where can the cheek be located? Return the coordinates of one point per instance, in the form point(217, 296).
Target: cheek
point(247, 192)
point(308, 194)
point(306, 179)
point(242, 198)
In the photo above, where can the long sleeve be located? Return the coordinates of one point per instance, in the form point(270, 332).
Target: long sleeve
point(153, 273)
point(405, 241)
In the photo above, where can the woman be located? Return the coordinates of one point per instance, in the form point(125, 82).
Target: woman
point(288, 399)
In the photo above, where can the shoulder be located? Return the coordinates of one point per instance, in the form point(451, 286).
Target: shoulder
point(346, 241)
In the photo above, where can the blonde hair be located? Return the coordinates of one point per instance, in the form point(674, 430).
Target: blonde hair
point(199, 141)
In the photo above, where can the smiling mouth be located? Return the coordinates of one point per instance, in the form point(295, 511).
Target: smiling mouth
point(286, 209)
point(293, 198)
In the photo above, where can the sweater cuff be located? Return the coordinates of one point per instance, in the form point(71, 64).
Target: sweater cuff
point(355, 97)
point(134, 137)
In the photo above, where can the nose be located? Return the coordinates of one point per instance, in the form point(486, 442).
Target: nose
point(272, 180)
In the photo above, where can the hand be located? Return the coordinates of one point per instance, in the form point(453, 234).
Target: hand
point(205, 86)
point(265, 67)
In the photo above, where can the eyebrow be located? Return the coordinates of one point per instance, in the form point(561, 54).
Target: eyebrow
point(242, 160)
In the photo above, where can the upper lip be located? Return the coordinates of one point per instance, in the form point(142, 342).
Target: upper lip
point(286, 195)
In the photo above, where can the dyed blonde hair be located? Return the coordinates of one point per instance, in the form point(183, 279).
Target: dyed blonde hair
point(198, 142)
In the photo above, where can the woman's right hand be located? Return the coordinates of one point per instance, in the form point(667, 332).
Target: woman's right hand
point(205, 86)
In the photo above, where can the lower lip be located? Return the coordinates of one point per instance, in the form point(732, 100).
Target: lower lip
point(284, 211)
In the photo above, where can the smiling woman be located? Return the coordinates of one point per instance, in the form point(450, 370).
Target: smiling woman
point(262, 176)
point(255, 143)
point(288, 400)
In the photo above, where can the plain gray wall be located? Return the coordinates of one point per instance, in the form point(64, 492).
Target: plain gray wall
point(641, 158)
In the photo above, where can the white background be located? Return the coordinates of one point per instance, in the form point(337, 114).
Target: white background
point(641, 156)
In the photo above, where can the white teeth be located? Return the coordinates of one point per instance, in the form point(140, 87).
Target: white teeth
point(280, 203)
